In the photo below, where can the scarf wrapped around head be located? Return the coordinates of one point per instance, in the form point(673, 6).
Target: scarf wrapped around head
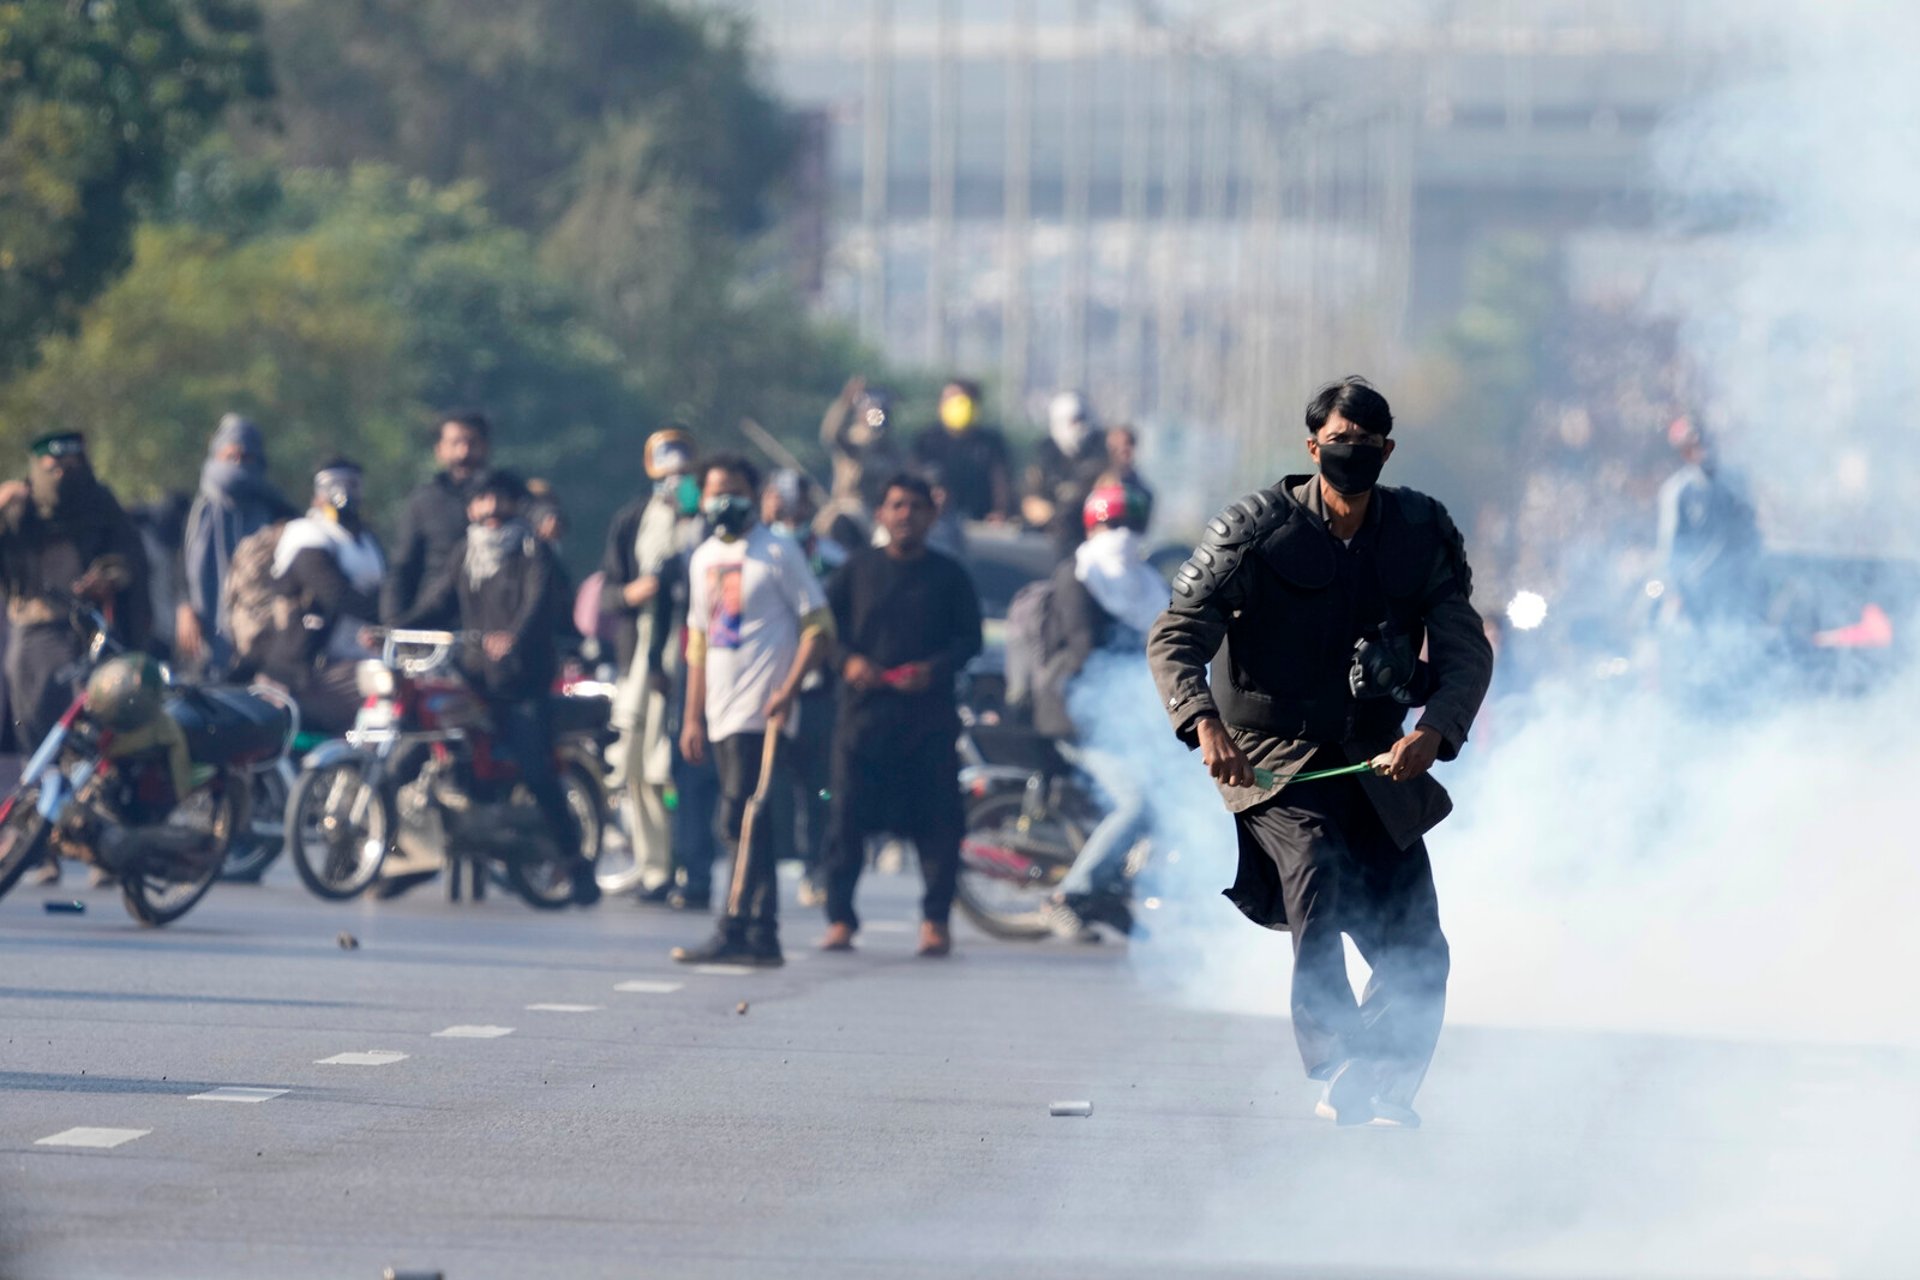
point(1110, 565)
point(488, 548)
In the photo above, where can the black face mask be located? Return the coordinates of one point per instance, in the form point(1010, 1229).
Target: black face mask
point(1352, 469)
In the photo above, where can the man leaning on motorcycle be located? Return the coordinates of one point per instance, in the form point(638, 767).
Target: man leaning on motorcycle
point(502, 580)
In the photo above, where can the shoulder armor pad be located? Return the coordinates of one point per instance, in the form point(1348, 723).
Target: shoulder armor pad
point(1432, 530)
point(1415, 507)
point(1226, 540)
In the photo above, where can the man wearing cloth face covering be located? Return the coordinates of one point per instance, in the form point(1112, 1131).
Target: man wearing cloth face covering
point(644, 536)
point(327, 570)
point(235, 500)
point(1312, 600)
point(500, 582)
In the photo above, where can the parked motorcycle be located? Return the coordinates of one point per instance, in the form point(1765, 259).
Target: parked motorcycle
point(417, 779)
point(142, 781)
point(1029, 813)
point(257, 846)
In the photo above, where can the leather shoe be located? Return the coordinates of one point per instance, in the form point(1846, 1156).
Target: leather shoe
point(726, 948)
point(935, 940)
point(839, 937)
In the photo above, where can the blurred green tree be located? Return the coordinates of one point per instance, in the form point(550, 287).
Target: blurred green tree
point(630, 138)
point(98, 102)
point(354, 309)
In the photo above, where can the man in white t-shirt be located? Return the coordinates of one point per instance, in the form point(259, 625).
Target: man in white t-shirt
point(757, 623)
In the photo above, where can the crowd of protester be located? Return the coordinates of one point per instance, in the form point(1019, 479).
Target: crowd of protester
point(750, 625)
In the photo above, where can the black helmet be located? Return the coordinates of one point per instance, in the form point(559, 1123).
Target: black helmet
point(126, 693)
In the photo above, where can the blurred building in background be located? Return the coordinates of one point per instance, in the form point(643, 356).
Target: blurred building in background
point(1197, 209)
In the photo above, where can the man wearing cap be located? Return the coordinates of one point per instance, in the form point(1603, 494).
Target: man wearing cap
point(327, 570)
point(63, 536)
point(236, 499)
point(645, 534)
point(435, 517)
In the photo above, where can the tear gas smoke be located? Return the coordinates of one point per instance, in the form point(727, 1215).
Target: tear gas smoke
point(1675, 846)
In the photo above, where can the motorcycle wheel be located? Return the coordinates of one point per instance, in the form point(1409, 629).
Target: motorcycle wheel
point(337, 855)
point(544, 879)
point(217, 809)
point(999, 905)
point(265, 836)
point(23, 837)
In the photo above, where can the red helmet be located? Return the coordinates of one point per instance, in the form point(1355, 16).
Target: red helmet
point(1122, 505)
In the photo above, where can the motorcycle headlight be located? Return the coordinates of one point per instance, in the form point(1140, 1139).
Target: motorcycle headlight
point(375, 679)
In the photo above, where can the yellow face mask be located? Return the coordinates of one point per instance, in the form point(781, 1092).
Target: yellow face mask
point(956, 412)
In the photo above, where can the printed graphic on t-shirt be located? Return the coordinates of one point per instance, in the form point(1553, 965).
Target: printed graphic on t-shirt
point(726, 623)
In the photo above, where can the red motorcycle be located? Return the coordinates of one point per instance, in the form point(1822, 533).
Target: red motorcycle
point(417, 782)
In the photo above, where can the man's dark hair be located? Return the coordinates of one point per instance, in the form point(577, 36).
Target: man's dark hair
point(338, 463)
point(967, 385)
point(472, 419)
point(913, 484)
point(501, 484)
point(734, 464)
point(1354, 399)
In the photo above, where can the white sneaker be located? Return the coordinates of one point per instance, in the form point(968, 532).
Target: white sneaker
point(1391, 1115)
point(1348, 1097)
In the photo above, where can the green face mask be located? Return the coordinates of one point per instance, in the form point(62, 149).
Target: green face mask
point(685, 491)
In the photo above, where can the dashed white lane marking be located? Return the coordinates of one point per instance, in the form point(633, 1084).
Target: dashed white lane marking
point(648, 987)
point(565, 1008)
point(237, 1093)
point(725, 970)
point(100, 1139)
point(887, 926)
point(473, 1033)
point(369, 1058)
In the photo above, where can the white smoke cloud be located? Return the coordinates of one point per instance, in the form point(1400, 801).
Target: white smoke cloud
point(1682, 933)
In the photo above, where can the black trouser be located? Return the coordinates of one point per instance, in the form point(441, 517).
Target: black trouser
point(753, 895)
point(523, 732)
point(909, 789)
point(1341, 873)
point(36, 656)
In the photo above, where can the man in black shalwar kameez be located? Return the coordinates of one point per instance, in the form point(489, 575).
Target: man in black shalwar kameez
point(1317, 596)
point(908, 619)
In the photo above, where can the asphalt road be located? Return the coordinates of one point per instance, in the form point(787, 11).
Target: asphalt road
point(867, 1115)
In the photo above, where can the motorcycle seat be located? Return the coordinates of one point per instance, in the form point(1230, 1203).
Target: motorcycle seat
point(228, 726)
point(1018, 747)
point(577, 715)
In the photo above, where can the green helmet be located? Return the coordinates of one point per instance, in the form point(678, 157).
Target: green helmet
point(126, 693)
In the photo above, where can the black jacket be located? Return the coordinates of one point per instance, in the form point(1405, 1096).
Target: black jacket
point(319, 595)
point(42, 555)
point(973, 466)
point(433, 520)
point(523, 598)
point(1280, 602)
point(1065, 481)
